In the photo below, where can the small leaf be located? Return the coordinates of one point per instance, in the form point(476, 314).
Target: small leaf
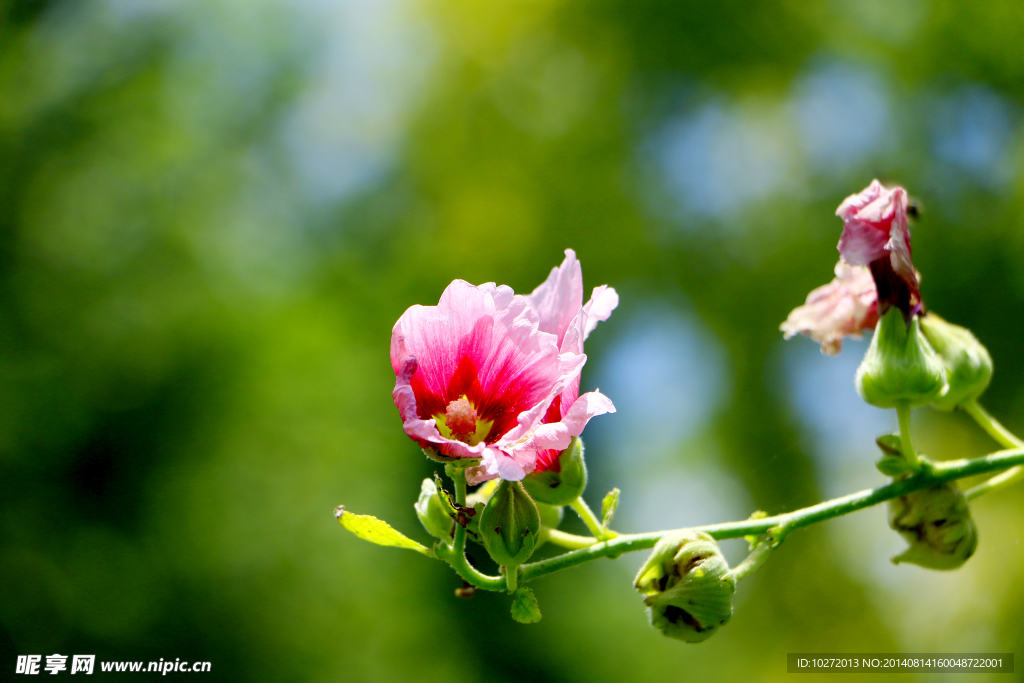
point(893, 466)
point(608, 506)
point(371, 529)
point(524, 606)
point(890, 444)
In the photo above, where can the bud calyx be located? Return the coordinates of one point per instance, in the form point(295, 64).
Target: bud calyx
point(510, 524)
point(937, 524)
point(900, 367)
point(967, 362)
point(686, 586)
point(564, 485)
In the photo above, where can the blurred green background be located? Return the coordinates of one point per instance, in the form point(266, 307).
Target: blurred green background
point(212, 213)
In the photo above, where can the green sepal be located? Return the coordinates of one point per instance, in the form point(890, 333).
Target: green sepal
point(436, 456)
point(510, 524)
point(525, 609)
point(565, 485)
point(890, 444)
point(900, 367)
point(608, 507)
point(374, 530)
point(967, 362)
point(431, 511)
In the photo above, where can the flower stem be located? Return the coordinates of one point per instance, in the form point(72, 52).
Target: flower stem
point(1001, 434)
point(591, 520)
point(571, 541)
point(1005, 437)
point(903, 414)
point(455, 554)
point(511, 578)
point(754, 560)
point(937, 474)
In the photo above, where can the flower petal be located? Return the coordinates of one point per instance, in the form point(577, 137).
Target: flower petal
point(482, 342)
point(875, 226)
point(602, 302)
point(557, 299)
point(557, 435)
point(844, 307)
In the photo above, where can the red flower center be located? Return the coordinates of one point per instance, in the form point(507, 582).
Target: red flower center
point(460, 418)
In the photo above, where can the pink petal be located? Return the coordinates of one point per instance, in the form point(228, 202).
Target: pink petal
point(874, 226)
point(482, 342)
point(496, 463)
point(558, 435)
point(602, 302)
point(844, 307)
point(558, 299)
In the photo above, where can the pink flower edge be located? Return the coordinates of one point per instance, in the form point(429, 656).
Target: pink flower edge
point(844, 307)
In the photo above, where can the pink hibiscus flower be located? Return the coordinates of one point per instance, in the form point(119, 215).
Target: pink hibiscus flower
point(489, 374)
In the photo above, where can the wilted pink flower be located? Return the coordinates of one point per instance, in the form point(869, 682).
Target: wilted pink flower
point(480, 374)
point(844, 307)
point(875, 234)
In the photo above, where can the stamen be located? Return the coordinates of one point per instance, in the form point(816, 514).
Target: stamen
point(460, 418)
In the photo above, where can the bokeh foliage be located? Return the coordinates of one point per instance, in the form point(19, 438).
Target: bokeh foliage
point(211, 214)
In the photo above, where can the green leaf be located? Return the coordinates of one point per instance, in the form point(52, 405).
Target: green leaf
point(524, 606)
point(608, 506)
point(371, 529)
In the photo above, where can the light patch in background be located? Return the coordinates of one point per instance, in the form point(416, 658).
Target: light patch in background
point(841, 426)
point(842, 112)
point(971, 130)
point(894, 21)
point(667, 378)
point(370, 61)
point(723, 156)
point(924, 607)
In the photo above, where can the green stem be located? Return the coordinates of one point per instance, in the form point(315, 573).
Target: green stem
point(1003, 436)
point(590, 519)
point(455, 554)
point(903, 414)
point(571, 541)
point(754, 560)
point(938, 474)
point(511, 577)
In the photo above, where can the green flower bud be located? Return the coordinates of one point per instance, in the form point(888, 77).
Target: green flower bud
point(510, 524)
point(900, 366)
point(937, 524)
point(550, 515)
point(686, 586)
point(431, 511)
point(565, 485)
point(968, 364)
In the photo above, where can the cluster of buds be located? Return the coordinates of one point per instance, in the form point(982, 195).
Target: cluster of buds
point(915, 358)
